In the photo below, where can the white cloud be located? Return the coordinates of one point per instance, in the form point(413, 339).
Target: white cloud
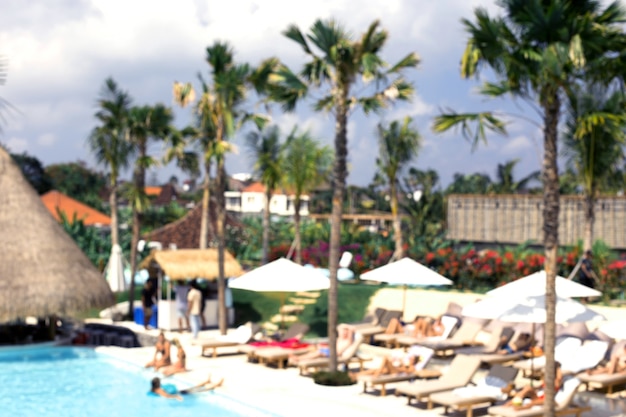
point(46, 140)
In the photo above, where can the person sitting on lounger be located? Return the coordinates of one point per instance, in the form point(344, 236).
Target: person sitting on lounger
point(344, 340)
point(165, 391)
point(521, 343)
point(205, 386)
point(392, 364)
point(161, 353)
point(422, 327)
point(530, 396)
point(615, 365)
point(180, 365)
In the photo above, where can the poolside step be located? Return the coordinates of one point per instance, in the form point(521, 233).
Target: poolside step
point(308, 294)
point(291, 309)
point(280, 318)
point(303, 300)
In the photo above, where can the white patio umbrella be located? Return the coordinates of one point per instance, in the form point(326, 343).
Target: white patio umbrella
point(281, 275)
point(535, 284)
point(530, 309)
point(406, 272)
point(615, 329)
point(114, 271)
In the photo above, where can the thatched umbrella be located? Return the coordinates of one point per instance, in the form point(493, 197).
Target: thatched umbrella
point(195, 263)
point(42, 271)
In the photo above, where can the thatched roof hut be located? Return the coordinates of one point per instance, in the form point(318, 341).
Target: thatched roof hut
point(185, 232)
point(192, 263)
point(42, 271)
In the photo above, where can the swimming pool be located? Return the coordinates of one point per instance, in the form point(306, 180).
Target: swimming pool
point(69, 381)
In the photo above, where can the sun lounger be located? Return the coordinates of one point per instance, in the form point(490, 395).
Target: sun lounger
point(292, 336)
point(425, 354)
point(391, 340)
point(486, 391)
point(587, 356)
point(565, 347)
point(368, 331)
point(459, 373)
point(604, 381)
point(491, 346)
point(347, 357)
point(240, 336)
point(563, 404)
point(279, 355)
point(464, 336)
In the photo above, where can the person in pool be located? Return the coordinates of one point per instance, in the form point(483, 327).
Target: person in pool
point(168, 391)
point(205, 386)
point(346, 336)
point(180, 365)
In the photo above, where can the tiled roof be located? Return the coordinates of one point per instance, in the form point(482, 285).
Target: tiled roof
point(255, 187)
point(54, 200)
point(152, 191)
point(185, 232)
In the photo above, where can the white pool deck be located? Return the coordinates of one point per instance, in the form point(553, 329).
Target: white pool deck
point(286, 393)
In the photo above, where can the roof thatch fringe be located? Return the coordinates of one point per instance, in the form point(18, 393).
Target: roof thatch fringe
point(194, 263)
point(42, 271)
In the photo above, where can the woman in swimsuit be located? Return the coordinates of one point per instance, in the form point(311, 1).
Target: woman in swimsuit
point(345, 339)
point(180, 365)
point(161, 353)
point(535, 396)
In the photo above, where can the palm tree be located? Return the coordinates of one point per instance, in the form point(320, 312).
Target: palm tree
point(536, 51)
point(505, 181)
point(593, 144)
point(145, 123)
point(338, 62)
point(475, 183)
point(219, 115)
point(398, 144)
point(306, 165)
point(108, 141)
point(266, 150)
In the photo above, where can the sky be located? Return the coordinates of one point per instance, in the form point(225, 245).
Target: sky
point(59, 53)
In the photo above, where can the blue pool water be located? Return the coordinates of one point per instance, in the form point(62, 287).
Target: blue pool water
point(68, 381)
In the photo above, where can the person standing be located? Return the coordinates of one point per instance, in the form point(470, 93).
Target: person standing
point(147, 301)
point(194, 303)
point(182, 291)
point(586, 275)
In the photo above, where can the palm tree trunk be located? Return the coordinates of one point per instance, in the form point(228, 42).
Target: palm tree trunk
point(551, 239)
point(140, 185)
point(297, 237)
point(266, 226)
point(590, 218)
point(398, 253)
point(115, 229)
point(221, 245)
point(339, 186)
point(206, 198)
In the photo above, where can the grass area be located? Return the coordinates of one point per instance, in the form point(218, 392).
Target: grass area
point(260, 307)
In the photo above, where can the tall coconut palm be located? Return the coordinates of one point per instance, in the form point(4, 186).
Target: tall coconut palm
point(219, 115)
point(398, 144)
point(593, 142)
point(340, 64)
point(205, 117)
point(306, 165)
point(536, 50)
point(266, 150)
point(146, 123)
point(108, 142)
point(505, 181)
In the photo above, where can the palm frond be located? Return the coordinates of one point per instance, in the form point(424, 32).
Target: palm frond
point(484, 121)
point(412, 60)
point(294, 33)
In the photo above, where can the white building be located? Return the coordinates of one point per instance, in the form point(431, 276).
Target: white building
point(251, 201)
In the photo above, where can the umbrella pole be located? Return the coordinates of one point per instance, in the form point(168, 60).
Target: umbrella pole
point(532, 354)
point(403, 301)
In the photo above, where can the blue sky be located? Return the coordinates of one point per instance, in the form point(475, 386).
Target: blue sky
point(61, 51)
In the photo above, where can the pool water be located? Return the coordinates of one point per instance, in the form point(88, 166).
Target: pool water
point(68, 381)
